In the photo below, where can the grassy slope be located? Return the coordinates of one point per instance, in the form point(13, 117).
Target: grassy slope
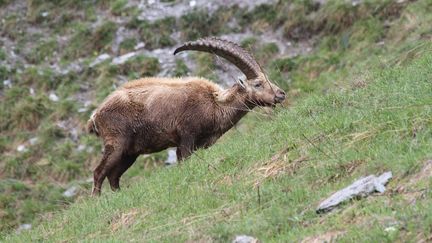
point(297, 158)
point(340, 58)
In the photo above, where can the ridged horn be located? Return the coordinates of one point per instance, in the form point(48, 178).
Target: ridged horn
point(238, 56)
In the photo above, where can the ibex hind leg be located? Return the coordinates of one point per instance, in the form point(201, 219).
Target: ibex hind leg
point(111, 157)
point(117, 171)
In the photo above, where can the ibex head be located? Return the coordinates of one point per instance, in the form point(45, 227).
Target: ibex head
point(260, 90)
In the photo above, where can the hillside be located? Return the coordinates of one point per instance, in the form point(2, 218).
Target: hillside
point(359, 81)
point(269, 181)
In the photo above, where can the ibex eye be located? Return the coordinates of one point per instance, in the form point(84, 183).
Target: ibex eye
point(257, 85)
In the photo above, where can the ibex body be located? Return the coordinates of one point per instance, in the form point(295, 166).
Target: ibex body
point(151, 114)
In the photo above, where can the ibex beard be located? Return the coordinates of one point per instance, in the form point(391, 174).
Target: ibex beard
point(152, 114)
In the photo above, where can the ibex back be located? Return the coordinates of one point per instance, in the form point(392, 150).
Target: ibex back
point(151, 114)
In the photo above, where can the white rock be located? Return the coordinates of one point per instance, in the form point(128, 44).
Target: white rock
point(81, 147)
point(34, 140)
point(22, 148)
point(360, 188)
point(44, 14)
point(24, 227)
point(245, 239)
point(71, 191)
point(192, 3)
point(7, 83)
point(139, 46)
point(151, 1)
point(101, 58)
point(172, 157)
point(81, 110)
point(53, 97)
point(87, 103)
point(122, 59)
point(31, 90)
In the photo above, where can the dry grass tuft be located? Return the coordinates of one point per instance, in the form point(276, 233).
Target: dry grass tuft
point(410, 190)
point(330, 236)
point(278, 164)
point(123, 220)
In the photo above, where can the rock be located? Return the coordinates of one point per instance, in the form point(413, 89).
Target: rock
point(122, 59)
point(360, 188)
point(33, 141)
point(245, 239)
point(44, 14)
point(101, 58)
point(81, 147)
point(139, 46)
point(24, 227)
point(81, 110)
point(172, 157)
point(7, 83)
point(71, 191)
point(53, 97)
point(22, 148)
point(192, 3)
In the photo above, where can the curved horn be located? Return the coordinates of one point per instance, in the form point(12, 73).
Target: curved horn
point(228, 50)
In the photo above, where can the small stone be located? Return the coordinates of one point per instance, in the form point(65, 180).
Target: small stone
point(192, 3)
point(22, 148)
point(81, 147)
point(87, 103)
point(245, 239)
point(44, 14)
point(122, 59)
point(7, 83)
point(172, 157)
point(101, 58)
point(53, 97)
point(81, 110)
point(139, 46)
point(24, 227)
point(31, 90)
point(151, 2)
point(33, 141)
point(71, 191)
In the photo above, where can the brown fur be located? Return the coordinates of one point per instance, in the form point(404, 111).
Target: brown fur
point(151, 114)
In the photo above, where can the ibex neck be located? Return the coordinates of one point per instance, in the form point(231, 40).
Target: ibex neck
point(233, 105)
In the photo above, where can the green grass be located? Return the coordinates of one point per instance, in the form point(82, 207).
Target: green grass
point(296, 159)
point(351, 41)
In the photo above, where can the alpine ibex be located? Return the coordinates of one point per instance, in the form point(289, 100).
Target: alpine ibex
point(151, 114)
